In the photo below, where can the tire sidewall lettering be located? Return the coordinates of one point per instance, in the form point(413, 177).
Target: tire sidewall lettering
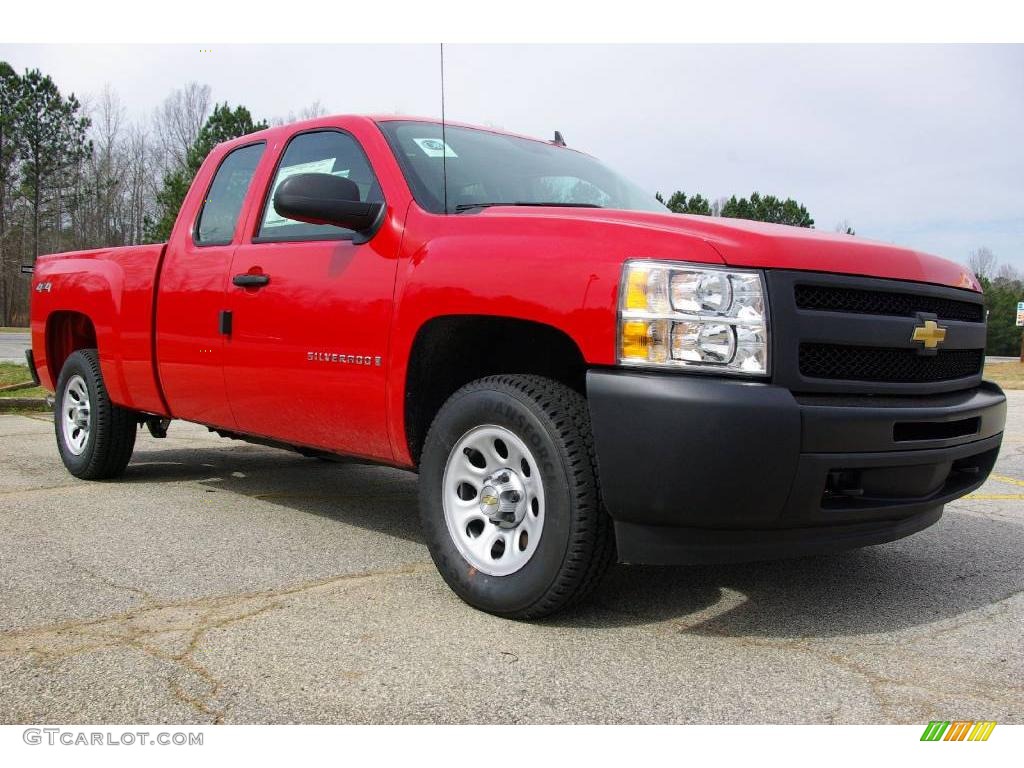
point(527, 433)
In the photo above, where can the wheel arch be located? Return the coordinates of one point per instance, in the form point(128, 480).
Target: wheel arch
point(449, 351)
point(67, 331)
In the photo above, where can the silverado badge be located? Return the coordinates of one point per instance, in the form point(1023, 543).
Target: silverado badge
point(930, 333)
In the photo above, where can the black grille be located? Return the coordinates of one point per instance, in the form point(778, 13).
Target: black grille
point(863, 302)
point(835, 361)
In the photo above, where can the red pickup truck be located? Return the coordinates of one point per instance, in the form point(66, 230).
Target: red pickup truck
point(577, 374)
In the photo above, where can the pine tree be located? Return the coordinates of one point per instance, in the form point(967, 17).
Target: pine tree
point(696, 204)
point(768, 208)
point(10, 93)
point(53, 144)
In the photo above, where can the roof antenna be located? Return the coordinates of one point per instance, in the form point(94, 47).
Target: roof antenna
point(444, 140)
point(558, 141)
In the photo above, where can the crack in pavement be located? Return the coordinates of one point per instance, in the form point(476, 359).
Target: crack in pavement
point(921, 692)
point(172, 631)
point(146, 596)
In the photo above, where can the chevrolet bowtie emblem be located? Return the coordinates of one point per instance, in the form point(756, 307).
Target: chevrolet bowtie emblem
point(930, 333)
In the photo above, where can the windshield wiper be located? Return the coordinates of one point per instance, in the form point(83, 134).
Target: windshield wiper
point(462, 207)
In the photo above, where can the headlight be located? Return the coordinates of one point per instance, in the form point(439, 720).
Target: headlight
point(704, 318)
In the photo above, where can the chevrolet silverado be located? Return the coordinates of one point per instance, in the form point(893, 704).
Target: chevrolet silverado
point(578, 375)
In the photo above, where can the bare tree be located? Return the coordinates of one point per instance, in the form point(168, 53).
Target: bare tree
point(844, 227)
point(308, 112)
point(1009, 273)
point(316, 109)
point(982, 262)
point(140, 182)
point(177, 123)
point(101, 180)
point(115, 181)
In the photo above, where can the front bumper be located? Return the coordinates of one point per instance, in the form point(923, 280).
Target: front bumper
point(698, 469)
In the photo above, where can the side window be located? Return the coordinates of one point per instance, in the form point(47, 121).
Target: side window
point(219, 215)
point(318, 152)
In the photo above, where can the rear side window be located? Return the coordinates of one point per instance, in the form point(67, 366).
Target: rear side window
point(219, 215)
point(318, 152)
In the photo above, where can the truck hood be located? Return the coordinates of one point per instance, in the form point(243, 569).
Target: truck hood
point(742, 243)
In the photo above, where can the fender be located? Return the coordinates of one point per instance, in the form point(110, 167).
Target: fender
point(550, 269)
point(113, 288)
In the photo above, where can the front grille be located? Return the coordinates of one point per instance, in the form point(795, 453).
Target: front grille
point(858, 301)
point(884, 364)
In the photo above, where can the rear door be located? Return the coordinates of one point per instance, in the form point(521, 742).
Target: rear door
point(306, 362)
point(191, 294)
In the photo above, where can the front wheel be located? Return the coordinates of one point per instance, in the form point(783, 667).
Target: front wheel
point(509, 498)
point(95, 437)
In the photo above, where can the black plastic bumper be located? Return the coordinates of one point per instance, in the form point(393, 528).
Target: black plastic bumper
point(698, 469)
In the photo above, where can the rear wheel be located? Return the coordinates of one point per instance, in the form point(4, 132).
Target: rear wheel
point(509, 497)
point(95, 437)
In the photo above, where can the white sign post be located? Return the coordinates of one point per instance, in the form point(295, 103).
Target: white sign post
point(1020, 323)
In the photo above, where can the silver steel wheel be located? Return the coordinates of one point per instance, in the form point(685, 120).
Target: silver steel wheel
point(75, 414)
point(493, 500)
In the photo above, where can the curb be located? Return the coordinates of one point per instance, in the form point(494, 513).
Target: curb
point(8, 404)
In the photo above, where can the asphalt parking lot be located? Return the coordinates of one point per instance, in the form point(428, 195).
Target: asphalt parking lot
point(13, 346)
point(224, 582)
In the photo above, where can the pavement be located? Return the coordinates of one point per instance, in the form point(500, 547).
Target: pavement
point(223, 582)
point(13, 346)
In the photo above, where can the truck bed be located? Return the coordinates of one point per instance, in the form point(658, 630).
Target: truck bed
point(108, 293)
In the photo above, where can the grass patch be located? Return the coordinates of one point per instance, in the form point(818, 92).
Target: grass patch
point(8, 329)
point(13, 373)
point(1006, 375)
point(23, 410)
point(30, 392)
point(16, 373)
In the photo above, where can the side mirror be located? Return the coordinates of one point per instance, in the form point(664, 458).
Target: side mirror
point(322, 198)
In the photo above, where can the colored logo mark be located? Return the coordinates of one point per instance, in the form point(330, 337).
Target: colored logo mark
point(958, 730)
point(930, 333)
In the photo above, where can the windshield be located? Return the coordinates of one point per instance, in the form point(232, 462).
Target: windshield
point(485, 168)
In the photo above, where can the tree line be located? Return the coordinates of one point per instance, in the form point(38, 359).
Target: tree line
point(757, 207)
point(1004, 287)
point(77, 174)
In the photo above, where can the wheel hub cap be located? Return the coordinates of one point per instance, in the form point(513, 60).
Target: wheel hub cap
point(493, 500)
point(75, 415)
point(502, 498)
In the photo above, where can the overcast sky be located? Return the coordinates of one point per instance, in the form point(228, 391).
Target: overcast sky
point(920, 146)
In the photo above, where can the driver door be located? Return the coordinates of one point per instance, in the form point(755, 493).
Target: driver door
point(306, 360)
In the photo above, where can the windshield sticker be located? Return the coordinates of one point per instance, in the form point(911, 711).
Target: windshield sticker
point(435, 148)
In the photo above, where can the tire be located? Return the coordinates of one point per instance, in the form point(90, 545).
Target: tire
point(95, 442)
point(546, 480)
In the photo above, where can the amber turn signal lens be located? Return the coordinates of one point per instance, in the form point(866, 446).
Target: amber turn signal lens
point(645, 340)
point(635, 339)
point(636, 289)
